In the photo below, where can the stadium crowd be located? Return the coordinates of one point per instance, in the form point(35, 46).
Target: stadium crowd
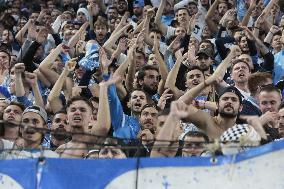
point(140, 78)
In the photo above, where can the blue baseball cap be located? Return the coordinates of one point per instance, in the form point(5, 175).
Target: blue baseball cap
point(138, 3)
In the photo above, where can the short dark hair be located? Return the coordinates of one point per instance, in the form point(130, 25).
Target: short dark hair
point(256, 80)
point(20, 105)
point(195, 134)
point(62, 111)
point(150, 106)
point(142, 71)
point(78, 98)
point(207, 41)
point(270, 88)
point(184, 8)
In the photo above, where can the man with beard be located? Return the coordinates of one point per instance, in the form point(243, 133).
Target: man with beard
point(126, 126)
point(12, 117)
point(101, 33)
point(148, 120)
point(148, 79)
point(229, 106)
point(138, 10)
point(204, 61)
point(240, 73)
point(60, 130)
point(122, 7)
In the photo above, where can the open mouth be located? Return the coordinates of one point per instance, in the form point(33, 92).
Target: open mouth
point(77, 119)
point(241, 75)
point(138, 105)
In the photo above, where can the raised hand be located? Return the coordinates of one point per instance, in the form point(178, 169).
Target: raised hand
point(71, 64)
point(274, 29)
point(163, 100)
point(151, 12)
point(260, 20)
point(175, 43)
point(104, 61)
point(93, 9)
point(32, 31)
point(146, 136)
point(191, 53)
point(269, 117)
point(76, 91)
point(112, 80)
point(122, 44)
point(123, 20)
point(31, 78)
point(19, 68)
point(235, 51)
point(41, 36)
point(179, 109)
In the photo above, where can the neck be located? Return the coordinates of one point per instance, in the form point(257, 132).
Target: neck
point(225, 122)
point(135, 114)
point(11, 133)
point(277, 50)
point(243, 86)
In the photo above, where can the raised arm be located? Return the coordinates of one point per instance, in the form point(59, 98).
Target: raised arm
point(55, 91)
point(19, 86)
point(104, 120)
point(248, 13)
point(150, 14)
point(111, 41)
point(166, 144)
point(75, 38)
point(208, 18)
point(263, 49)
point(172, 76)
point(162, 27)
point(217, 76)
point(48, 61)
point(20, 35)
point(162, 65)
point(31, 79)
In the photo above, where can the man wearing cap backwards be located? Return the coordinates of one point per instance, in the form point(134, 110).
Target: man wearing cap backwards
point(34, 120)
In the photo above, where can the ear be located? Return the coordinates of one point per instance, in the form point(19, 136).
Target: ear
point(140, 81)
point(240, 108)
point(128, 104)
